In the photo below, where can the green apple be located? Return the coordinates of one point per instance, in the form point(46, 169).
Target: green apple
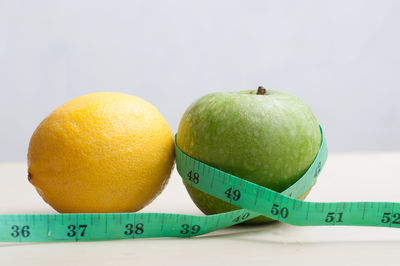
point(267, 137)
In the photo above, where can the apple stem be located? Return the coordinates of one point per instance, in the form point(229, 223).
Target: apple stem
point(261, 91)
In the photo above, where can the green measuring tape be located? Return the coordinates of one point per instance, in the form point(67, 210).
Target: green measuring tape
point(253, 199)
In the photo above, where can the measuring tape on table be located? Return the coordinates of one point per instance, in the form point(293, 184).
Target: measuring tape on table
point(254, 200)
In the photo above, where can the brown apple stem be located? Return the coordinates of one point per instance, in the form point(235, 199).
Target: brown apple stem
point(261, 91)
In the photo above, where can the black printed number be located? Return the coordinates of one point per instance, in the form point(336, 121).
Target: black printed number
point(74, 229)
point(186, 229)
point(241, 217)
point(130, 229)
point(317, 170)
point(333, 216)
point(279, 211)
point(393, 218)
point(194, 177)
point(20, 231)
point(232, 194)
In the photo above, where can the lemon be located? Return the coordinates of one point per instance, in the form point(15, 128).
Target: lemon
point(101, 152)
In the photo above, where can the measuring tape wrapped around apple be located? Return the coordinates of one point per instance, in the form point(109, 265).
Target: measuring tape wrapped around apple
point(248, 156)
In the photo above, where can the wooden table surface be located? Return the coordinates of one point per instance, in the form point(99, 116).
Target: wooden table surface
point(346, 177)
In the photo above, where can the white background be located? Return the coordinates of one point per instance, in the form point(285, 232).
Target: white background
point(341, 57)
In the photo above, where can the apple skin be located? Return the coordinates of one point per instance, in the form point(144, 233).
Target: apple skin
point(269, 139)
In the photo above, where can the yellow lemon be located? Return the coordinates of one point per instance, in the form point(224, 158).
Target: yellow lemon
point(102, 152)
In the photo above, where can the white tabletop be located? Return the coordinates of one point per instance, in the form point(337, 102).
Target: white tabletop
point(346, 177)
